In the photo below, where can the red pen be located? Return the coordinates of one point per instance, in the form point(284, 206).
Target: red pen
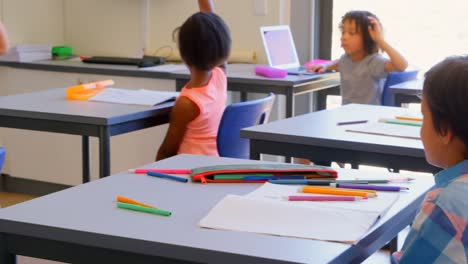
point(166, 171)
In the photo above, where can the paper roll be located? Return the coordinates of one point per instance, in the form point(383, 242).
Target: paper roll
point(237, 56)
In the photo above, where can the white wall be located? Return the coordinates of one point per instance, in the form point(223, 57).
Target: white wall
point(33, 21)
point(115, 27)
point(166, 15)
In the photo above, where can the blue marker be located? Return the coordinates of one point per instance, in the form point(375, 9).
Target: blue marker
point(166, 176)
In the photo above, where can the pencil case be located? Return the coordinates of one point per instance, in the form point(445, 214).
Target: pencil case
point(258, 173)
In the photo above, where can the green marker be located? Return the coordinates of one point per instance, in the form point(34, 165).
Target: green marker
point(239, 176)
point(143, 209)
point(400, 122)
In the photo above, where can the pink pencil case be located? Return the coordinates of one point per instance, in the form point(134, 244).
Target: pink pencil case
point(270, 72)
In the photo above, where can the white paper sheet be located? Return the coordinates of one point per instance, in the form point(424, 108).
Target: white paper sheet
point(384, 129)
point(138, 97)
point(266, 211)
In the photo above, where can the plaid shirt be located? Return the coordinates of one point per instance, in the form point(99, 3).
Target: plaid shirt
point(439, 233)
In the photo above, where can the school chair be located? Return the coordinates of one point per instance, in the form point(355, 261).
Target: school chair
point(237, 116)
point(388, 99)
point(2, 157)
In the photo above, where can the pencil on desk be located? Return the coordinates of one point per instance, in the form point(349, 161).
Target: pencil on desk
point(369, 187)
point(130, 201)
point(351, 122)
point(168, 171)
point(334, 191)
point(409, 118)
point(144, 209)
point(323, 198)
point(165, 176)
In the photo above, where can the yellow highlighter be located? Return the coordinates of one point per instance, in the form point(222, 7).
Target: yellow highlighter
point(335, 191)
point(87, 90)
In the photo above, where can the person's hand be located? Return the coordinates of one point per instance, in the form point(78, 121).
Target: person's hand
point(375, 30)
point(318, 68)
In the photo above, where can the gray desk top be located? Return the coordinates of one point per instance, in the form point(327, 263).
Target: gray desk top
point(320, 129)
point(91, 208)
point(53, 105)
point(413, 87)
point(91, 68)
point(245, 73)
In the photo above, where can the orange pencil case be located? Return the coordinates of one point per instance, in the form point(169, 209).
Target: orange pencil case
point(209, 174)
point(86, 90)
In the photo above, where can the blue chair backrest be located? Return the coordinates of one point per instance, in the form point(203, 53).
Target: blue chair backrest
point(237, 116)
point(2, 157)
point(393, 78)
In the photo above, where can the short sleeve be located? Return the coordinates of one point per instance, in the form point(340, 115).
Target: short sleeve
point(377, 66)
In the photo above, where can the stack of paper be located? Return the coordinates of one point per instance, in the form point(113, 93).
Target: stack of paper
point(266, 211)
point(137, 97)
point(28, 53)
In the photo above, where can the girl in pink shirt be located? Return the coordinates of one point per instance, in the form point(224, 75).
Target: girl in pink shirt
point(204, 43)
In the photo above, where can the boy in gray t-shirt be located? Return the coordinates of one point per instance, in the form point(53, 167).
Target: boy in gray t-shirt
point(362, 67)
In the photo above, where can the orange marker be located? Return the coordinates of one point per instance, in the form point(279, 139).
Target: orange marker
point(130, 201)
point(335, 191)
point(409, 118)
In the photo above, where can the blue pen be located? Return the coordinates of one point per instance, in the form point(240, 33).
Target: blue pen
point(166, 176)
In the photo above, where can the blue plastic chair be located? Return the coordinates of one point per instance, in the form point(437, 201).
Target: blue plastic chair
point(237, 116)
point(2, 157)
point(393, 78)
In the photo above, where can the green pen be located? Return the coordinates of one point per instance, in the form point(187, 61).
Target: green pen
point(143, 209)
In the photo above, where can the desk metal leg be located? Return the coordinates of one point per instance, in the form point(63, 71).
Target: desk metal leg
point(104, 152)
point(254, 155)
point(289, 103)
point(85, 155)
point(243, 96)
point(5, 256)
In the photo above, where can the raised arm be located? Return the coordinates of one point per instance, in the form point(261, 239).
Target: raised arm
point(397, 61)
point(4, 46)
point(206, 5)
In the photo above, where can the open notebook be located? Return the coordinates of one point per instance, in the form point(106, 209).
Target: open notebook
point(266, 211)
point(136, 97)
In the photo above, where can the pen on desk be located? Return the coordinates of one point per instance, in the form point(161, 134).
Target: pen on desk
point(386, 180)
point(336, 191)
point(130, 201)
point(168, 171)
point(351, 122)
point(165, 176)
point(315, 182)
point(324, 198)
point(369, 187)
point(143, 209)
point(409, 118)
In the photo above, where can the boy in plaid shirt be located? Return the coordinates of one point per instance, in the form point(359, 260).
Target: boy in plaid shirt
point(439, 233)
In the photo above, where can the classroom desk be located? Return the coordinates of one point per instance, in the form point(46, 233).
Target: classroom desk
point(49, 111)
point(75, 66)
point(82, 224)
point(407, 92)
point(317, 136)
point(242, 78)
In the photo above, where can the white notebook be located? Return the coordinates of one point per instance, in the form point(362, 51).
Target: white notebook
point(266, 211)
point(136, 97)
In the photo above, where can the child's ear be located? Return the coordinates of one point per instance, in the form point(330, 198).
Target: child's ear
point(446, 135)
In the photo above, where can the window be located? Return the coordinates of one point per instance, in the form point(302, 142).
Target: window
point(425, 32)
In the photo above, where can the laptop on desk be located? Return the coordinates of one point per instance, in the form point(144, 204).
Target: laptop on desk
point(281, 50)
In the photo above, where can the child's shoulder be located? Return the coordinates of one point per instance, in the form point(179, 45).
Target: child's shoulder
point(454, 197)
